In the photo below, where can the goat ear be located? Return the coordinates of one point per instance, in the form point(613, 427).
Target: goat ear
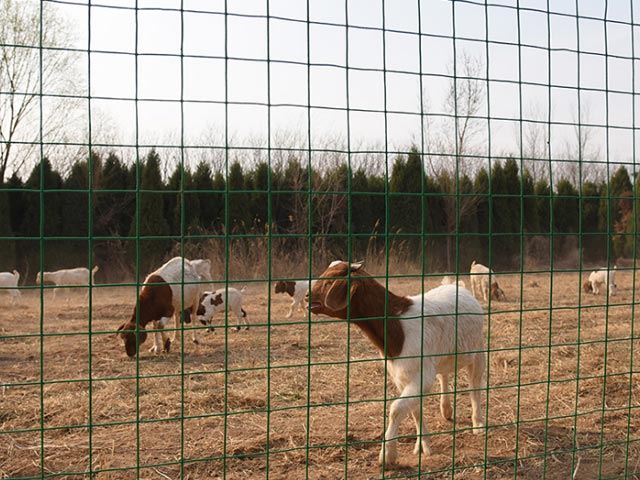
point(336, 298)
point(116, 335)
point(357, 266)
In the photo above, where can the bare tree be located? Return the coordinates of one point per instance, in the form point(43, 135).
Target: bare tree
point(457, 144)
point(32, 31)
point(533, 143)
point(581, 149)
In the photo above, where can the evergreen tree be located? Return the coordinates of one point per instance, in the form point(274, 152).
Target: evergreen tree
point(293, 203)
point(565, 208)
point(113, 215)
point(481, 188)
point(49, 208)
point(202, 183)
point(17, 201)
point(542, 192)
point(565, 215)
point(621, 206)
point(218, 202)
point(7, 242)
point(368, 213)
point(52, 201)
point(514, 199)
point(620, 182)
point(405, 185)
point(114, 205)
point(239, 214)
point(435, 242)
point(593, 242)
point(531, 214)
point(606, 220)
point(363, 218)
point(75, 201)
point(632, 227)
point(172, 200)
point(501, 245)
point(405, 201)
point(180, 187)
point(75, 205)
point(151, 216)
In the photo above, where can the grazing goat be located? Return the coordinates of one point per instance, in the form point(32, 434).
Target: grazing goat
point(480, 283)
point(219, 301)
point(447, 280)
point(602, 277)
point(420, 338)
point(203, 268)
point(297, 291)
point(77, 277)
point(9, 282)
point(161, 297)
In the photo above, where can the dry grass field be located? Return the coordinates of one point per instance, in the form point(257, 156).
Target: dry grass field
point(293, 399)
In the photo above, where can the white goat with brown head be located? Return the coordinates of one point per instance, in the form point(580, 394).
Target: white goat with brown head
point(172, 290)
point(421, 338)
point(480, 286)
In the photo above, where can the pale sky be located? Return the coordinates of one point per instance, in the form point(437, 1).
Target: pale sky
point(188, 63)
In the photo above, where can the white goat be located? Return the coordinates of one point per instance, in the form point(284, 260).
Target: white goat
point(161, 298)
point(480, 283)
point(447, 280)
point(602, 277)
point(9, 282)
point(427, 337)
point(229, 299)
point(76, 277)
point(297, 291)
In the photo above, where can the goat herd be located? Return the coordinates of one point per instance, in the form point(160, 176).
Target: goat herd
point(422, 337)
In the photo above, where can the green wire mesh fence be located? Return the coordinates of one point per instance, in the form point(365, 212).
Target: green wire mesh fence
point(426, 138)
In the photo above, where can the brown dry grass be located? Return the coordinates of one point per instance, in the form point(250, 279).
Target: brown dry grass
point(319, 410)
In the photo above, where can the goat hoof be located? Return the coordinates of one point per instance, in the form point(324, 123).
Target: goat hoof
point(237, 329)
point(388, 456)
point(167, 345)
point(426, 450)
point(478, 429)
point(197, 342)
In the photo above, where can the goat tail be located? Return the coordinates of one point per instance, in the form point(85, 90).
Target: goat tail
point(95, 269)
point(473, 263)
point(243, 289)
point(16, 273)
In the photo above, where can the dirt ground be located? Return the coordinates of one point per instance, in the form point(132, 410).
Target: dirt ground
point(297, 399)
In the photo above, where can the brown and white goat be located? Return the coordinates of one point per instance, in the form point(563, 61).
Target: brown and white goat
point(602, 277)
point(297, 291)
point(224, 299)
point(161, 298)
point(427, 337)
point(480, 283)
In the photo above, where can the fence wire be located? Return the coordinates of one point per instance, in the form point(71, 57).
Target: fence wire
point(269, 139)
